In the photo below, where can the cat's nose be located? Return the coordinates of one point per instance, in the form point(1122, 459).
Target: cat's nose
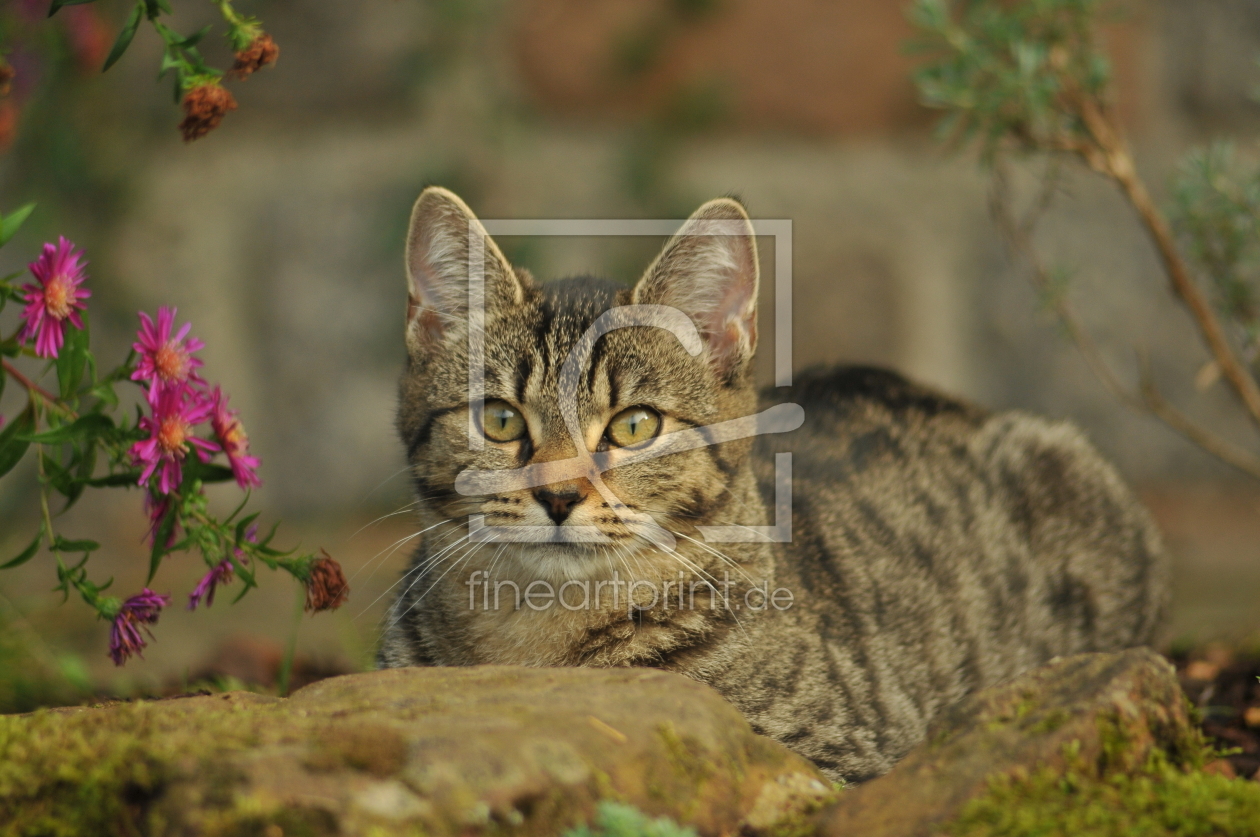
point(560, 502)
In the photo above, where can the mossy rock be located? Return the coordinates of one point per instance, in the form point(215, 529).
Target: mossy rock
point(1108, 735)
point(467, 751)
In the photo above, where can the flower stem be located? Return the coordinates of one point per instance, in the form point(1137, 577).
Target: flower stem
point(229, 14)
point(43, 504)
point(290, 651)
point(30, 385)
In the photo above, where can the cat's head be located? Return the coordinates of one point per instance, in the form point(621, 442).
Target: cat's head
point(622, 392)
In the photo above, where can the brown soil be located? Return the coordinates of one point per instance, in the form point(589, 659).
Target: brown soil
point(1222, 683)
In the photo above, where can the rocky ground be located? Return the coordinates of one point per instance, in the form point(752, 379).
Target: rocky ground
point(1092, 745)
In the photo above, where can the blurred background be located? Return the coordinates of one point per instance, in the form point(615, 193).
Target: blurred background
point(280, 236)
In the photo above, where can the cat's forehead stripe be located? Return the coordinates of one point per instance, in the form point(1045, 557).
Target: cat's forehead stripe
point(524, 370)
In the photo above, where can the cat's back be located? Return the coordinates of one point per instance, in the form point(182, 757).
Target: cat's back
point(941, 547)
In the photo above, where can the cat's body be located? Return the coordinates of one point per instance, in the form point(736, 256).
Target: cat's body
point(936, 548)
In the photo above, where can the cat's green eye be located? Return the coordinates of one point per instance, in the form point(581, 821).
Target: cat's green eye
point(502, 422)
point(633, 426)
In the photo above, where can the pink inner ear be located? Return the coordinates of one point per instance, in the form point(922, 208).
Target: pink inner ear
point(731, 324)
point(426, 322)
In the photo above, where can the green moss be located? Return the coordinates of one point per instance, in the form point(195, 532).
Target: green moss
point(616, 820)
point(1051, 722)
point(1017, 711)
point(685, 756)
point(86, 773)
point(1097, 798)
point(803, 822)
point(374, 748)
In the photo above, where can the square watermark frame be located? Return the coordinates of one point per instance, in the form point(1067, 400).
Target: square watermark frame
point(778, 228)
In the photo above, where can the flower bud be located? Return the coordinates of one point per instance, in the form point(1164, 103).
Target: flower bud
point(326, 586)
point(261, 52)
point(205, 105)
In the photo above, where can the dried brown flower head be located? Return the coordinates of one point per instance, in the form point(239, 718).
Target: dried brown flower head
point(260, 53)
point(327, 588)
point(204, 108)
point(6, 77)
point(8, 125)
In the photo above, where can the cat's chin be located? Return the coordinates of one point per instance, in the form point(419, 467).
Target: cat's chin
point(559, 562)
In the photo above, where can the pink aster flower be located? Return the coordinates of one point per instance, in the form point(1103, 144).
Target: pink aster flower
point(175, 413)
point(56, 299)
point(222, 573)
point(231, 435)
point(137, 613)
point(166, 361)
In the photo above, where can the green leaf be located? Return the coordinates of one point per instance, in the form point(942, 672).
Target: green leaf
point(243, 525)
point(195, 38)
point(60, 478)
point(91, 426)
point(124, 478)
point(74, 546)
point(245, 574)
point(161, 536)
point(105, 393)
point(208, 472)
point(12, 444)
point(10, 223)
point(57, 4)
point(72, 358)
point(125, 35)
point(26, 554)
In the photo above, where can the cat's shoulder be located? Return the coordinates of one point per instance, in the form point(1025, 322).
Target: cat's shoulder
point(842, 396)
point(853, 412)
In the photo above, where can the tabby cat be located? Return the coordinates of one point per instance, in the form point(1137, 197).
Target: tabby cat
point(935, 548)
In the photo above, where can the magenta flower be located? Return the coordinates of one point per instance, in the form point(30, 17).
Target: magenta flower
point(56, 299)
point(166, 361)
point(125, 637)
point(175, 413)
point(231, 435)
point(222, 573)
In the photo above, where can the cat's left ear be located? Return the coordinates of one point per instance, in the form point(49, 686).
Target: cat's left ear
point(443, 236)
point(709, 271)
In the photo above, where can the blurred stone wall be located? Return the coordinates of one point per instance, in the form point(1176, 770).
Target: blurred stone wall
point(281, 233)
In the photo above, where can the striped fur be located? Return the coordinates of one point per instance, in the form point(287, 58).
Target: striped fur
point(937, 548)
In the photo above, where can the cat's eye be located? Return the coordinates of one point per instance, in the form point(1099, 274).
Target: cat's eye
point(633, 426)
point(502, 422)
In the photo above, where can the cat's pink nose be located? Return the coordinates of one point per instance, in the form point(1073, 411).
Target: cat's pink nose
point(560, 502)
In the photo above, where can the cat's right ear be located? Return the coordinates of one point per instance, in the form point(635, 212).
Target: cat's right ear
point(709, 271)
point(438, 246)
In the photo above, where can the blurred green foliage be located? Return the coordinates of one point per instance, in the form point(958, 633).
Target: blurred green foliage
point(31, 675)
point(616, 820)
point(1009, 70)
point(1031, 77)
point(1216, 210)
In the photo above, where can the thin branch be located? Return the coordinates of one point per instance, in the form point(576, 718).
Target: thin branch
point(1114, 160)
point(1148, 399)
point(1223, 450)
point(30, 385)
